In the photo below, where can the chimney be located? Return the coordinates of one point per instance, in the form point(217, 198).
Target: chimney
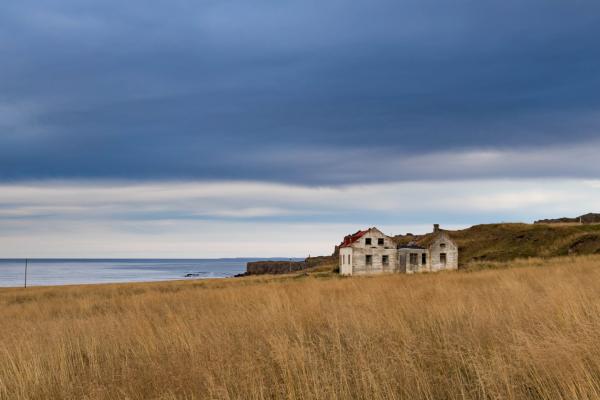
point(436, 228)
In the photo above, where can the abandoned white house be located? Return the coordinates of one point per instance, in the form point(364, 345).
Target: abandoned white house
point(371, 252)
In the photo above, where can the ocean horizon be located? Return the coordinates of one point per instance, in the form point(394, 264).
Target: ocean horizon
point(78, 271)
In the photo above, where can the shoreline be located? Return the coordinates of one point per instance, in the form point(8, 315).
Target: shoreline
point(74, 272)
point(117, 282)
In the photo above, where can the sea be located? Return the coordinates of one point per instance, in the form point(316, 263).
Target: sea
point(47, 272)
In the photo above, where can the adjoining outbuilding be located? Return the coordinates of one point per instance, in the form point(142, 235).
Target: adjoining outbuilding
point(371, 252)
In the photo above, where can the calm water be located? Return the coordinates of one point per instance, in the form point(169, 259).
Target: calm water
point(70, 271)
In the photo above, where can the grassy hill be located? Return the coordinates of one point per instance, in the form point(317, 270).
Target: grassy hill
point(503, 242)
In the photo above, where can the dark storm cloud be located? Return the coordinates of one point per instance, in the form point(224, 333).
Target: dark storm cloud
point(229, 89)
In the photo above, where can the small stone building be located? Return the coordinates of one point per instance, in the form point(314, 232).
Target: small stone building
point(372, 252)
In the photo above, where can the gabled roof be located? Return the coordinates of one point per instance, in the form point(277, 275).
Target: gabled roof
point(431, 238)
point(423, 241)
point(348, 240)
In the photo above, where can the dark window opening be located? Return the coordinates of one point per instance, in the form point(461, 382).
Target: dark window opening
point(423, 259)
point(368, 241)
point(413, 258)
point(369, 260)
point(385, 260)
point(443, 258)
point(380, 241)
point(442, 245)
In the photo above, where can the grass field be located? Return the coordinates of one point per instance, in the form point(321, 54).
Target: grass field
point(488, 333)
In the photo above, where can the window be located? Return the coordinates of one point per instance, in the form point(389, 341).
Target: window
point(385, 260)
point(443, 258)
point(442, 245)
point(414, 258)
point(423, 259)
point(380, 241)
point(368, 241)
point(369, 260)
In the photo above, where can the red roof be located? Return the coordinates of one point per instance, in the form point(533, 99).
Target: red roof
point(348, 240)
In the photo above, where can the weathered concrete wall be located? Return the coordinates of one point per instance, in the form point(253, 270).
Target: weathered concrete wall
point(346, 260)
point(381, 245)
point(443, 245)
point(413, 264)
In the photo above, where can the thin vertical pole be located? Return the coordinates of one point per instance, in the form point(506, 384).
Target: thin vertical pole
point(26, 262)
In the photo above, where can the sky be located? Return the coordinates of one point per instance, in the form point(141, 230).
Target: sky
point(273, 128)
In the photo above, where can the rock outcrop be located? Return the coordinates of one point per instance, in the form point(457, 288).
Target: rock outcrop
point(283, 266)
point(274, 267)
point(590, 218)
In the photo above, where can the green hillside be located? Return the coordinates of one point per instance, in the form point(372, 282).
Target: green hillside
point(503, 242)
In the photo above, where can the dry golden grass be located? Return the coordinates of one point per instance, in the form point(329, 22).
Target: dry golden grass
point(530, 332)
